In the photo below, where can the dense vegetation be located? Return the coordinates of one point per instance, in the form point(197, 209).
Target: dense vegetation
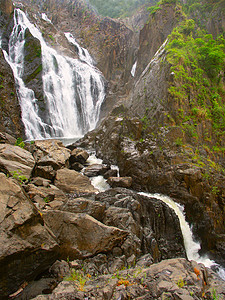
point(198, 63)
point(117, 8)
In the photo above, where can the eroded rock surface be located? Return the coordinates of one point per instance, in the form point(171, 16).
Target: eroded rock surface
point(15, 160)
point(26, 243)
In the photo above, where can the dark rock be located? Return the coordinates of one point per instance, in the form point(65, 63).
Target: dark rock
point(46, 172)
point(76, 166)
point(124, 182)
point(174, 278)
point(154, 228)
point(110, 173)
point(35, 288)
point(95, 170)
point(78, 155)
point(60, 269)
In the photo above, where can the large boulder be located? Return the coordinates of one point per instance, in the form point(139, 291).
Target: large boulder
point(15, 160)
point(50, 152)
point(124, 182)
point(95, 170)
point(71, 181)
point(27, 246)
point(80, 235)
point(78, 155)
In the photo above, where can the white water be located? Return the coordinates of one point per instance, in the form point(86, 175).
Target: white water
point(98, 181)
point(73, 90)
point(192, 247)
point(82, 52)
point(44, 17)
point(133, 70)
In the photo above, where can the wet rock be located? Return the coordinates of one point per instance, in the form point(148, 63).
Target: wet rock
point(80, 235)
point(78, 155)
point(76, 166)
point(153, 227)
point(27, 246)
point(95, 170)
point(110, 173)
point(124, 182)
point(71, 181)
point(16, 161)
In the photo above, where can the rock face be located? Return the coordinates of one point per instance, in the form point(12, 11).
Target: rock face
point(32, 74)
point(153, 226)
point(80, 235)
point(10, 113)
point(155, 32)
point(6, 7)
point(16, 161)
point(26, 243)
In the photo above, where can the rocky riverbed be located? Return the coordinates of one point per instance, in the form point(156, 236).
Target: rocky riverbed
point(62, 239)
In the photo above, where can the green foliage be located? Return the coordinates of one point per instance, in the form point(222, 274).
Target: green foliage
point(215, 295)
point(153, 9)
point(20, 143)
point(197, 62)
point(18, 176)
point(179, 142)
point(181, 283)
point(79, 278)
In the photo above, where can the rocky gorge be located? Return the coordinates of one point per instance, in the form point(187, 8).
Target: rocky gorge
point(64, 238)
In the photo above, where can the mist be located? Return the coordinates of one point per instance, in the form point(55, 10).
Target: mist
point(118, 8)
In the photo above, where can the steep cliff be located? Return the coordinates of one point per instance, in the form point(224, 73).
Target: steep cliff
point(10, 114)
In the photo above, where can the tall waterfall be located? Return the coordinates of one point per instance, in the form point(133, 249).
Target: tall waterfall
point(73, 88)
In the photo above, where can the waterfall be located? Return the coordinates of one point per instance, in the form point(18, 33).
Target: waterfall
point(73, 88)
point(192, 247)
point(133, 70)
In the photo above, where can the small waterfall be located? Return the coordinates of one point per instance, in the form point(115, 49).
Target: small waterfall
point(133, 70)
point(192, 247)
point(44, 17)
point(73, 88)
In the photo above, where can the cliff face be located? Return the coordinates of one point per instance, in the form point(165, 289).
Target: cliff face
point(10, 114)
point(155, 32)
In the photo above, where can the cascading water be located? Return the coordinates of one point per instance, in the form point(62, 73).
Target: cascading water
point(192, 248)
point(133, 70)
point(73, 89)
